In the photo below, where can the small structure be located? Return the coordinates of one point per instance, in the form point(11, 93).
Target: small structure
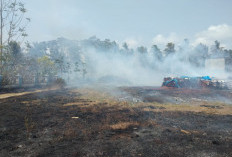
point(47, 79)
point(0, 81)
point(19, 80)
point(36, 80)
point(215, 64)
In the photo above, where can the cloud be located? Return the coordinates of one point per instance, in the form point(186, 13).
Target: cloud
point(222, 33)
point(132, 43)
point(163, 40)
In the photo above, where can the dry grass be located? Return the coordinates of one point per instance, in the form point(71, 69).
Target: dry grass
point(100, 97)
point(74, 104)
point(124, 125)
point(206, 107)
point(69, 131)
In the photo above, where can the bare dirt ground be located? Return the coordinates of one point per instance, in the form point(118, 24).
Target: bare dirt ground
point(132, 121)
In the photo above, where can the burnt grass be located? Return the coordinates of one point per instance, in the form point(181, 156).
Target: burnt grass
point(40, 125)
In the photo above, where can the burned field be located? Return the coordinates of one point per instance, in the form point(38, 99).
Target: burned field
point(139, 121)
point(179, 95)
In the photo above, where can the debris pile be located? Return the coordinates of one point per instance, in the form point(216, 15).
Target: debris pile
point(194, 82)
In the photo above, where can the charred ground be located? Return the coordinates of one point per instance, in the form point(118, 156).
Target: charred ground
point(88, 122)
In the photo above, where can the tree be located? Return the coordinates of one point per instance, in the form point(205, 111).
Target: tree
point(60, 64)
point(109, 46)
point(12, 22)
point(125, 46)
point(170, 48)
point(199, 56)
point(142, 49)
point(216, 49)
point(46, 66)
point(14, 53)
point(156, 52)
point(184, 47)
point(68, 69)
point(13, 57)
point(14, 48)
point(217, 44)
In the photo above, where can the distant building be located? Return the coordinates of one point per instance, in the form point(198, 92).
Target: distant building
point(228, 64)
point(219, 61)
point(215, 64)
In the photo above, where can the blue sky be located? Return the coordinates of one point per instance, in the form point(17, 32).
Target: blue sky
point(138, 22)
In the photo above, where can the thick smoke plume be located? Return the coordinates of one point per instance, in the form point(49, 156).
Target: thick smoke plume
point(105, 62)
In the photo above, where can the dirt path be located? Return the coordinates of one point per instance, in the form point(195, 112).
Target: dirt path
point(8, 95)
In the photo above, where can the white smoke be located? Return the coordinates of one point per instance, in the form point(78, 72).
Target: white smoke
point(125, 69)
point(121, 68)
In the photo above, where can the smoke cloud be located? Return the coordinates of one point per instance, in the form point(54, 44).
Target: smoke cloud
point(136, 67)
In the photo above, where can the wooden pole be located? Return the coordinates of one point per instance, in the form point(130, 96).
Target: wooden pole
point(1, 46)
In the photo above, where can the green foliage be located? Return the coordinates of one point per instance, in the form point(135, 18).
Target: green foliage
point(46, 66)
point(12, 62)
point(14, 49)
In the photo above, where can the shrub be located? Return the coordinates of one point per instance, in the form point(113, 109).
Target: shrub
point(60, 82)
